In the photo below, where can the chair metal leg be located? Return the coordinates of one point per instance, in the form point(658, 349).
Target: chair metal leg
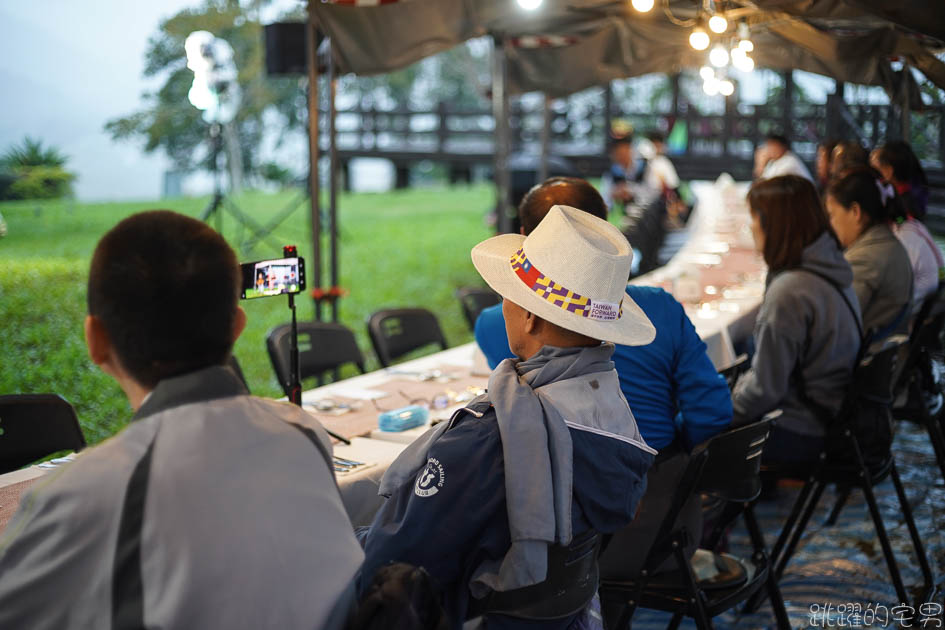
point(914, 533)
point(675, 621)
point(780, 562)
point(797, 509)
point(937, 438)
point(762, 560)
point(883, 538)
point(696, 601)
point(843, 493)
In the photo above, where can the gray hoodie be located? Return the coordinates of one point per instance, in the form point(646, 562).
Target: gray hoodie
point(803, 318)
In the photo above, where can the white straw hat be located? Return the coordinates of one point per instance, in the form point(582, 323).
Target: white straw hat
point(572, 271)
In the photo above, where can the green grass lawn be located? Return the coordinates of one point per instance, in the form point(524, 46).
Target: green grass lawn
point(405, 248)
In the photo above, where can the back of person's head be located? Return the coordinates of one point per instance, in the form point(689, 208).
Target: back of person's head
point(779, 139)
point(848, 156)
point(656, 137)
point(559, 191)
point(791, 216)
point(899, 156)
point(165, 288)
point(824, 156)
point(864, 186)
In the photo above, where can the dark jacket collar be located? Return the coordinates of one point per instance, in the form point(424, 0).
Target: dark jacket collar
point(202, 385)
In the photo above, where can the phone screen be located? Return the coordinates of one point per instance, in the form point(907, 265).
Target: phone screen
point(273, 277)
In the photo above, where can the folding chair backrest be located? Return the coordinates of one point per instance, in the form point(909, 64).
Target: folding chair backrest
point(738, 367)
point(33, 426)
point(731, 469)
point(395, 332)
point(570, 585)
point(474, 300)
point(872, 378)
point(323, 346)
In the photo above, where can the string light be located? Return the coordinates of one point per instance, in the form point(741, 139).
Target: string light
point(711, 86)
point(529, 5)
point(706, 73)
point(643, 6)
point(718, 56)
point(698, 38)
point(726, 88)
point(741, 60)
point(718, 24)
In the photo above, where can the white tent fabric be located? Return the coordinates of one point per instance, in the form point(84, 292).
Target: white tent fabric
point(850, 40)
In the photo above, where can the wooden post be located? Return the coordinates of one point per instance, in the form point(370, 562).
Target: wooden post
point(500, 113)
point(315, 266)
point(787, 105)
point(545, 139)
point(332, 181)
point(608, 114)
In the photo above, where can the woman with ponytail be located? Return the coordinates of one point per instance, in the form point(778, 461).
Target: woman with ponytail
point(893, 163)
point(858, 205)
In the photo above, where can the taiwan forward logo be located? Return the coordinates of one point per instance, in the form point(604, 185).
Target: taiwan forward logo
point(430, 479)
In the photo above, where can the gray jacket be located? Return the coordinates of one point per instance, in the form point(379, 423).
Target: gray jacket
point(882, 277)
point(211, 510)
point(804, 319)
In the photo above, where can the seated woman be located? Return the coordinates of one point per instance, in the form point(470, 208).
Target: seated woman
point(882, 273)
point(899, 166)
point(807, 331)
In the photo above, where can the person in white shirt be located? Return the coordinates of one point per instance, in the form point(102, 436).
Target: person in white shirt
point(924, 254)
point(660, 174)
point(774, 158)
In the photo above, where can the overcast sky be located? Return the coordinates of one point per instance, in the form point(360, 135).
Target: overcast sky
point(67, 67)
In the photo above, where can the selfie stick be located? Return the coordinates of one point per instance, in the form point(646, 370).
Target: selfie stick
point(295, 384)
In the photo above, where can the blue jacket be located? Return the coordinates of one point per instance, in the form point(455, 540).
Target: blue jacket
point(673, 375)
point(464, 521)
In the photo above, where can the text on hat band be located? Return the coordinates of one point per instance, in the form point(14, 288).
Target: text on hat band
point(560, 296)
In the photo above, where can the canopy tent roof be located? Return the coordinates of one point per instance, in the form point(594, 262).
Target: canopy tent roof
point(569, 45)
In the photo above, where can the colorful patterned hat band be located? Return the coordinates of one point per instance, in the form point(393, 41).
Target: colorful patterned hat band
point(558, 295)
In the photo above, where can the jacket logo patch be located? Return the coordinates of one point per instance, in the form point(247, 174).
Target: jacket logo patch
point(430, 479)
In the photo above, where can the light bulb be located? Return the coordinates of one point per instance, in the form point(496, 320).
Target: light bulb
point(726, 88)
point(711, 86)
point(718, 24)
point(706, 73)
point(642, 6)
point(743, 62)
point(698, 38)
point(718, 56)
point(529, 5)
point(746, 45)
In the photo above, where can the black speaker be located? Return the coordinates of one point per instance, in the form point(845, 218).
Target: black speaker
point(285, 48)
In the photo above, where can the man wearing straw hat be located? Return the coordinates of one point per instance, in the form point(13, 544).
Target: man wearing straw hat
point(552, 450)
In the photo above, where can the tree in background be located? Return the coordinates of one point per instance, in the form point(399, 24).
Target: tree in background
point(31, 171)
point(169, 122)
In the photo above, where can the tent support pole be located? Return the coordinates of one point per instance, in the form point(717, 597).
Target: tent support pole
point(332, 183)
point(500, 112)
point(315, 267)
point(545, 139)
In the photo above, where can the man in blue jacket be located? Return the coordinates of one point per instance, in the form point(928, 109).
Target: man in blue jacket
point(677, 397)
point(551, 451)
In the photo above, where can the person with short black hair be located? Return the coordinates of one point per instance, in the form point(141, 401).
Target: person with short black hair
point(626, 171)
point(847, 156)
point(774, 158)
point(858, 207)
point(899, 165)
point(212, 509)
point(807, 331)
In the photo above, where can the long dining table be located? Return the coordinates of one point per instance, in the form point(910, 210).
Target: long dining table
point(716, 275)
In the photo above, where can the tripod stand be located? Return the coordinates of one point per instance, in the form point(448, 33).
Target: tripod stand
point(219, 203)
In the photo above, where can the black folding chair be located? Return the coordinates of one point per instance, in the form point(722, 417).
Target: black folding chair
point(395, 332)
point(725, 467)
point(732, 372)
point(871, 380)
point(33, 426)
point(567, 590)
point(474, 300)
point(914, 378)
point(323, 347)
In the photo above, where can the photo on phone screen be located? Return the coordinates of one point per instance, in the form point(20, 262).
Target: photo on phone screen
point(273, 277)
